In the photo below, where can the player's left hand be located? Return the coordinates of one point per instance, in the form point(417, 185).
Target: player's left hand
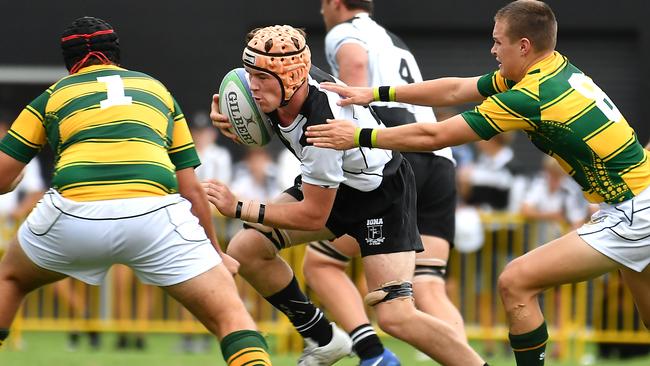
point(221, 121)
point(335, 134)
point(220, 196)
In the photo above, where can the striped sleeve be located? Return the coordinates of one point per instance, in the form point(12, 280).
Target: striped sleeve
point(507, 111)
point(27, 135)
point(493, 83)
point(182, 152)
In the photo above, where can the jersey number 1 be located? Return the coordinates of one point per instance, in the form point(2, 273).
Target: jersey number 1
point(114, 91)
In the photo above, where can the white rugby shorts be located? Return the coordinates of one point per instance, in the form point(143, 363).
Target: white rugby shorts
point(622, 231)
point(158, 237)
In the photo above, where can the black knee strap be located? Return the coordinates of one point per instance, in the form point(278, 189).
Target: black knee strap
point(389, 291)
point(277, 236)
point(428, 270)
point(325, 247)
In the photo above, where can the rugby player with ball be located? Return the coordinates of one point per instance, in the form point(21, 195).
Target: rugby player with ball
point(368, 194)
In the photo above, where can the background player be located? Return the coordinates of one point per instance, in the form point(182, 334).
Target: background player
point(363, 53)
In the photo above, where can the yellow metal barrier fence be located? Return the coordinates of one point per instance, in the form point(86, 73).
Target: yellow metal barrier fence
point(601, 310)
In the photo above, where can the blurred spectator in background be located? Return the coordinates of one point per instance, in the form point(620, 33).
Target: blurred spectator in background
point(216, 161)
point(554, 200)
point(256, 176)
point(492, 181)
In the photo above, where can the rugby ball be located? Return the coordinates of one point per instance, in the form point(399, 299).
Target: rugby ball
point(236, 101)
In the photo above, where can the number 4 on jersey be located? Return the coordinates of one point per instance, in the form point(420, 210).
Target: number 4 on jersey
point(114, 91)
point(405, 72)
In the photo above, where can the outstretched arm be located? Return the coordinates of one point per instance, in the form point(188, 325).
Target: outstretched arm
point(420, 136)
point(436, 93)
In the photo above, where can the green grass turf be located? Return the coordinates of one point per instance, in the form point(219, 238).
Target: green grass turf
point(50, 349)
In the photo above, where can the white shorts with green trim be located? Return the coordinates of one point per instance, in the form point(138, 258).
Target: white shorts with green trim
point(622, 231)
point(158, 237)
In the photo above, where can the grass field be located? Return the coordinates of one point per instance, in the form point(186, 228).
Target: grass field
point(50, 349)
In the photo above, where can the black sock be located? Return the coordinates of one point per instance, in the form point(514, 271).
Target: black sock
point(365, 342)
point(308, 320)
point(4, 333)
point(529, 348)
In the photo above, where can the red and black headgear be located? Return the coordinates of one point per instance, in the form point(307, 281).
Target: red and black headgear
point(88, 37)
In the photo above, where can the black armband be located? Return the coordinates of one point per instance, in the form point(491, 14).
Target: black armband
point(260, 216)
point(365, 137)
point(384, 94)
point(240, 204)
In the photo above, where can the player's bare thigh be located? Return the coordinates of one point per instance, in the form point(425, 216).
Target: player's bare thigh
point(436, 253)
point(567, 259)
point(212, 297)
point(17, 266)
point(382, 268)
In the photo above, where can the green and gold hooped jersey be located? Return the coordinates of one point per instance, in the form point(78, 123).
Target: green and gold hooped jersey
point(115, 134)
point(570, 118)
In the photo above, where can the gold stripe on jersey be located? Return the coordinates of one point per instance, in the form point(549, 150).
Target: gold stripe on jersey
point(499, 83)
point(67, 94)
point(23, 130)
point(23, 140)
point(528, 86)
point(96, 117)
point(491, 121)
point(34, 112)
point(608, 139)
point(181, 148)
point(107, 151)
point(250, 356)
point(581, 113)
point(181, 134)
point(142, 84)
point(558, 99)
point(560, 67)
point(636, 176)
point(505, 108)
point(107, 190)
point(571, 105)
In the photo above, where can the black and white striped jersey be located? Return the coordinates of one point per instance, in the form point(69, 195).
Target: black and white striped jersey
point(358, 168)
point(389, 63)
